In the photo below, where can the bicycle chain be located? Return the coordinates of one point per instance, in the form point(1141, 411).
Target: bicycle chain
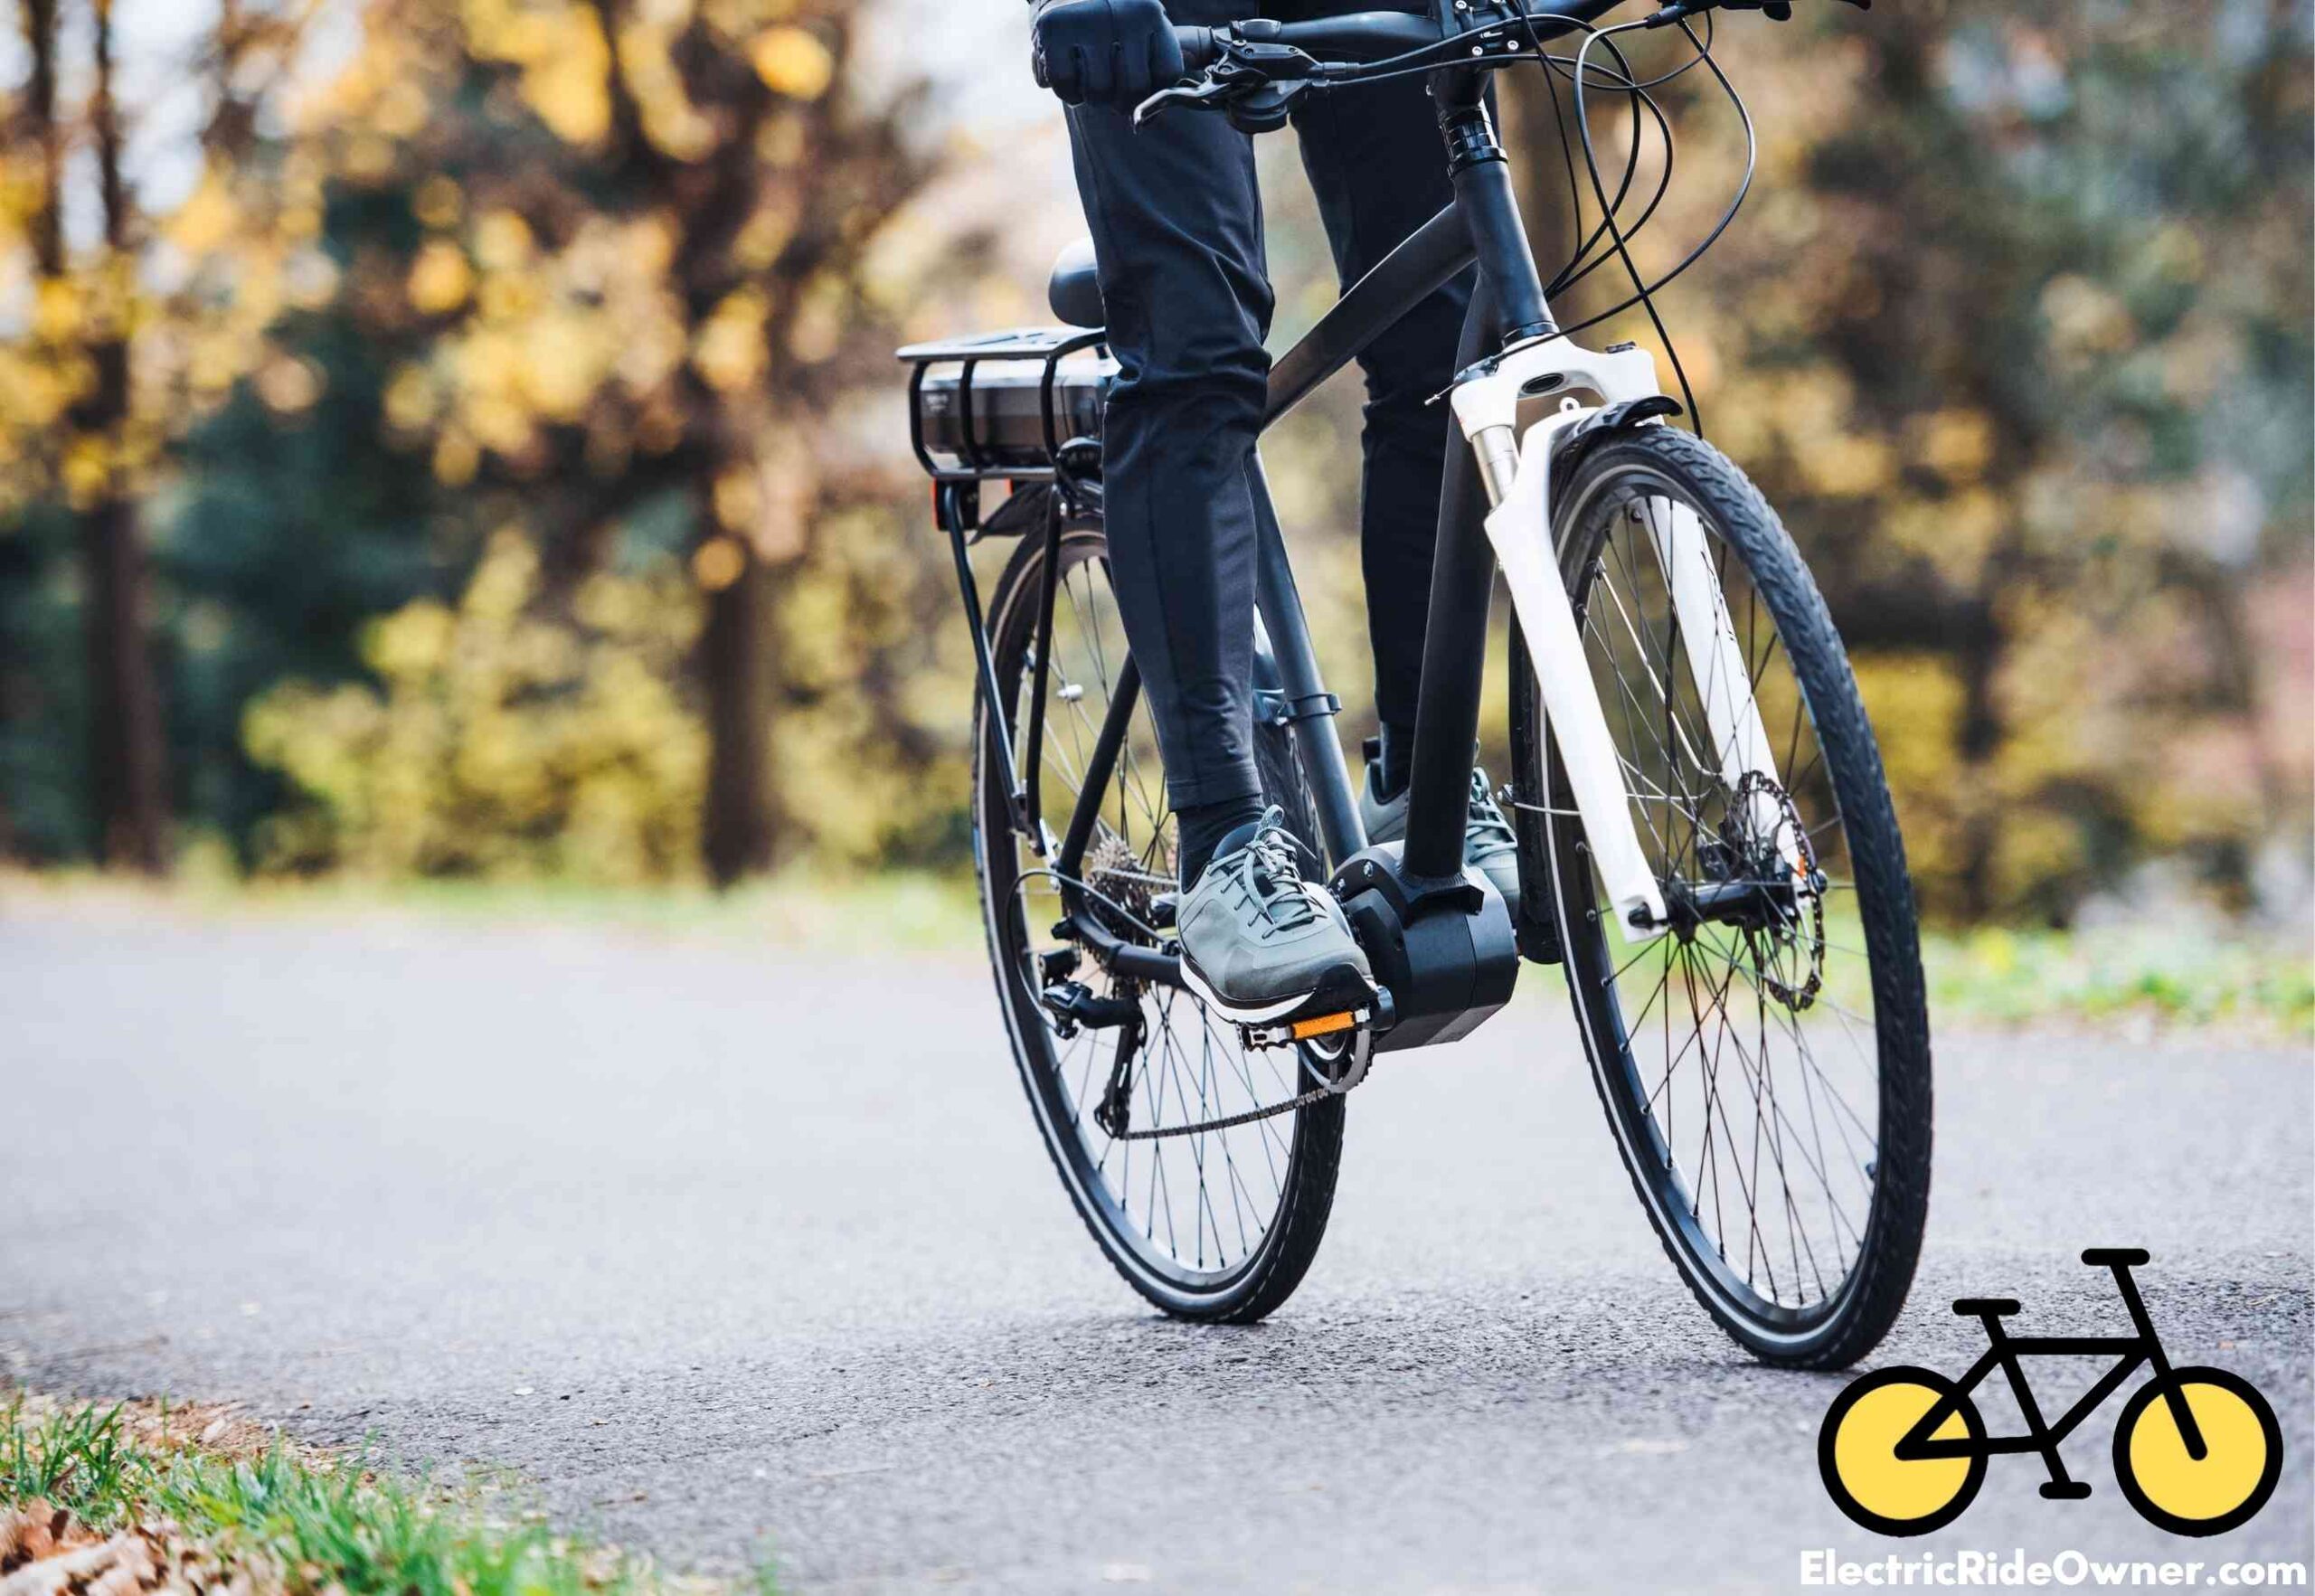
point(1318, 1094)
point(1343, 1088)
point(1230, 1121)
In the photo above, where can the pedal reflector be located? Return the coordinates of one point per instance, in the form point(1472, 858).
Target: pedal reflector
point(1323, 1024)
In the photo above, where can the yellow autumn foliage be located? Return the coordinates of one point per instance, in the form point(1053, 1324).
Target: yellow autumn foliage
point(499, 742)
point(792, 62)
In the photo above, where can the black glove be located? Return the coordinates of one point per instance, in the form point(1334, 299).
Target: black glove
point(1113, 52)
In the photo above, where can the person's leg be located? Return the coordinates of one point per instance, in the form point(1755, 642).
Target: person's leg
point(1379, 169)
point(1176, 223)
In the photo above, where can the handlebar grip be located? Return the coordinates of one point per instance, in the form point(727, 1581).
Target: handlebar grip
point(1199, 50)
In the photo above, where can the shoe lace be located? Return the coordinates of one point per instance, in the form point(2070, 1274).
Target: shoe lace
point(1267, 871)
point(1487, 833)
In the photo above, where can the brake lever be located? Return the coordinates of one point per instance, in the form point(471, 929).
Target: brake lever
point(1200, 95)
point(1246, 66)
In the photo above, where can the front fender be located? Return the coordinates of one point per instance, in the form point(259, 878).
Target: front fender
point(1613, 417)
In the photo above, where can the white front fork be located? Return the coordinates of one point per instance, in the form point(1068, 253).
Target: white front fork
point(1519, 480)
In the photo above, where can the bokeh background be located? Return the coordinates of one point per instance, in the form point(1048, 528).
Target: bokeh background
point(458, 439)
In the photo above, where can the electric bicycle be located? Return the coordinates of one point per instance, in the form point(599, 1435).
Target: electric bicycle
point(1706, 841)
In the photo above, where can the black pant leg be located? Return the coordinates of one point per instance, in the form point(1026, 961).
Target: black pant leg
point(1379, 169)
point(1176, 223)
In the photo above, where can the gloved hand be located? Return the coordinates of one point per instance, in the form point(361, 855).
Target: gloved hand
point(1113, 52)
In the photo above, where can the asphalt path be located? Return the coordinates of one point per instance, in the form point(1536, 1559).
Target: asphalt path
point(739, 1254)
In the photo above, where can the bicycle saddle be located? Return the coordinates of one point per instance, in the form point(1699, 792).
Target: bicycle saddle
point(1075, 292)
point(1977, 1306)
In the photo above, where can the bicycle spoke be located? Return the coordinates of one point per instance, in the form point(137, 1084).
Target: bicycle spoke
point(1715, 1044)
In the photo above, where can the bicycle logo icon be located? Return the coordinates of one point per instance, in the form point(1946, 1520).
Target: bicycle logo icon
point(2196, 1450)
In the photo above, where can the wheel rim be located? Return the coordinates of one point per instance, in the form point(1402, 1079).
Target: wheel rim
point(1743, 1059)
point(1194, 1213)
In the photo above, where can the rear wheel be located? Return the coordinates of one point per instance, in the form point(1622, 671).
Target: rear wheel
point(1217, 1223)
point(1766, 1071)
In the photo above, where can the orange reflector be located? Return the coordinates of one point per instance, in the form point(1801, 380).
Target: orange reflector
point(1306, 1029)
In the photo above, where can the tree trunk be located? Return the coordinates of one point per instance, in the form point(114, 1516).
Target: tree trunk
point(737, 658)
point(127, 746)
point(1981, 650)
point(45, 226)
point(127, 762)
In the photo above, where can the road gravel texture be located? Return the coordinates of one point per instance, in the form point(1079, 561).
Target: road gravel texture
point(740, 1255)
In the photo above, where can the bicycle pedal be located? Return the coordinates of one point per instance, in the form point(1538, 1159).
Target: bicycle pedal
point(1286, 1033)
point(2066, 1490)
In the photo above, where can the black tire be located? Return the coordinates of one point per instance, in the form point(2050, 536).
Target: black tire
point(2127, 1475)
point(1842, 1490)
point(1697, 828)
point(1293, 1183)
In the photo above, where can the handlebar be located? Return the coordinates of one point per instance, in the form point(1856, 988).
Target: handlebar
point(1226, 64)
point(1367, 35)
point(1329, 50)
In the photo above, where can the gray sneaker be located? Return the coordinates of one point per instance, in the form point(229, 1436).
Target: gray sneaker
point(1258, 941)
point(1488, 841)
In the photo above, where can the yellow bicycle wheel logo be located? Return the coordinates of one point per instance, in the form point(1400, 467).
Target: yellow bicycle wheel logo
point(2196, 1450)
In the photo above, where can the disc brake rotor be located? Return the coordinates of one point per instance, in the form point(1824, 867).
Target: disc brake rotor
point(1761, 851)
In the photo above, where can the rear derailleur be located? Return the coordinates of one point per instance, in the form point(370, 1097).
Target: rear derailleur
point(1075, 1006)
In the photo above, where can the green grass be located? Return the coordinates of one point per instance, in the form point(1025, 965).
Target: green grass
point(2128, 975)
point(77, 1459)
point(908, 912)
point(302, 1523)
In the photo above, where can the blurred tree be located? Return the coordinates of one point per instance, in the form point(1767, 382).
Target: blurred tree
point(636, 284)
point(86, 449)
point(502, 743)
point(2016, 333)
point(119, 327)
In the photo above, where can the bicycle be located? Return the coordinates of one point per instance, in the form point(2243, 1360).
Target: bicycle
point(2196, 1450)
point(1702, 822)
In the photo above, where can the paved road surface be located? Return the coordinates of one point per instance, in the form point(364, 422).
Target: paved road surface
point(735, 1254)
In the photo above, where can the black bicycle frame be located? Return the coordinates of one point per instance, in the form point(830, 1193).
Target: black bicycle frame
point(1482, 226)
point(2008, 1354)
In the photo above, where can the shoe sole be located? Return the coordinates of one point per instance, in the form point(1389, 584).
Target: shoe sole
point(1342, 987)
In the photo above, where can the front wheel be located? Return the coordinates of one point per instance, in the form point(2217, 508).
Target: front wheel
point(1765, 1064)
point(2242, 1453)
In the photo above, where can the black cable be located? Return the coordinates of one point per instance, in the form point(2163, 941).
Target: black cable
point(1561, 66)
point(1645, 291)
point(1579, 71)
point(1580, 267)
point(1623, 242)
point(1574, 270)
